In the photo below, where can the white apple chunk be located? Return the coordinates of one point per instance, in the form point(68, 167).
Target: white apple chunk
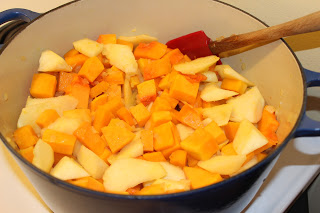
point(67, 168)
point(76, 148)
point(184, 131)
point(129, 172)
point(121, 57)
point(174, 185)
point(88, 47)
point(91, 162)
point(246, 166)
point(173, 172)
point(135, 40)
point(225, 71)
point(131, 150)
point(247, 106)
point(220, 114)
point(223, 164)
point(43, 156)
point(212, 92)
point(82, 114)
point(51, 62)
point(65, 125)
point(248, 138)
point(206, 121)
point(198, 65)
point(211, 77)
point(35, 106)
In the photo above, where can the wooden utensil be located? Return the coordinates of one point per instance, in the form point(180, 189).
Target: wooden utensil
point(197, 44)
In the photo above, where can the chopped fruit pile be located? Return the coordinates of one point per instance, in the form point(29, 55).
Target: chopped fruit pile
point(128, 115)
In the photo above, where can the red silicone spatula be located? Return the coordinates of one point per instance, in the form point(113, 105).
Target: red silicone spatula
point(198, 44)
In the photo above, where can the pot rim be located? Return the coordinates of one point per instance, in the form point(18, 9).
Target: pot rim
point(103, 195)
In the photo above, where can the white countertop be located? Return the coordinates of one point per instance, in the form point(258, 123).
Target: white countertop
point(297, 165)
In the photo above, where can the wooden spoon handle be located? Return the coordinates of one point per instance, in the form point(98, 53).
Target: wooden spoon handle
point(305, 24)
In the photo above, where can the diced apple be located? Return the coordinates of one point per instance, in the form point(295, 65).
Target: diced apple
point(88, 47)
point(247, 106)
point(121, 57)
point(211, 77)
point(65, 125)
point(225, 71)
point(129, 172)
point(173, 172)
point(223, 164)
point(43, 156)
point(76, 148)
point(129, 98)
point(52, 62)
point(67, 168)
point(248, 138)
point(131, 150)
point(213, 93)
point(206, 121)
point(35, 107)
point(91, 162)
point(220, 114)
point(198, 65)
point(184, 131)
point(82, 114)
point(246, 166)
point(174, 185)
point(135, 40)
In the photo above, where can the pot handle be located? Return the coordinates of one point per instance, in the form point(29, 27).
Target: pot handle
point(309, 127)
point(23, 15)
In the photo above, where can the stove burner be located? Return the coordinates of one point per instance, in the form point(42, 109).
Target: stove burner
point(8, 30)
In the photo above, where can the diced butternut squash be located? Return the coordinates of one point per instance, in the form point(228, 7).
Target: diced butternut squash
point(147, 140)
point(156, 68)
point(191, 161)
point(268, 126)
point(113, 105)
point(98, 101)
point(27, 153)
point(82, 114)
point(114, 91)
point(183, 90)
point(134, 81)
point(175, 56)
point(231, 129)
point(76, 60)
point(160, 104)
point(105, 154)
point(196, 78)
point(234, 85)
point(176, 137)
point(80, 90)
point(43, 85)
point(117, 137)
point(147, 92)
point(124, 114)
point(65, 79)
point(216, 132)
point(114, 76)
point(160, 117)
point(228, 149)
point(200, 177)
point(98, 89)
point(58, 157)
point(47, 117)
point(60, 142)
point(71, 52)
point(200, 149)
point(154, 157)
point(152, 50)
point(163, 137)
point(90, 139)
point(102, 118)
point(91, 68)
point(190, 117)
point(141, 114)
point(172, 101)
point(178, 158)
point(89, 183)
point(25, 137)
point(107, 39)
point(116, 122)
point(154, 189)
point(123, 42)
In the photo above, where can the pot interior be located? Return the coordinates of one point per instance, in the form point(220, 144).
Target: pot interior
point(272, 67)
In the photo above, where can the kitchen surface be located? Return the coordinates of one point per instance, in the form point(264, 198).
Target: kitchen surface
point(298, 165)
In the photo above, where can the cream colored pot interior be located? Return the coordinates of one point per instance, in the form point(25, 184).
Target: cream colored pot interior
point(272, 67)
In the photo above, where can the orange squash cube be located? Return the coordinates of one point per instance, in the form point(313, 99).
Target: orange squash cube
point(176, 137)
point(154, 189)
point(117, 137)
point(105, 154)
point(190, 117)
point(200, 145)
point(113, 105)
point(89, 183)
point(98, 101)
point(43, 85)
point(82, 114)
point(58, 157)
point(115, 76)
point(47, 117)
point(178, 158)
point(102, 118)
point(116, 122)
point(183, 90)
point(160, 117)
point(80, 91)
point(234, 85)
point(160, 104)
point(123, 42)
point(91, 68)
point(172, 101)
point(175, 56)
point(65, 79)
point(268, 126)
point(231, 129)
point(101, 87)
point(156, 68)
point(147, 140)
point(124, 114)
point(216, 132)
point(114, 91)
point(191, 161)
point(25, 137)
point(154, 157)
point(141, 114)
point(27, 153)
point(228, 149)
point(60, 142)
point(152, 50)
point(76, 60)
point(107, 39)
point(163, 137)
point(134, 81)
point(147, 92)
point(71, 52)
point(200, 178)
